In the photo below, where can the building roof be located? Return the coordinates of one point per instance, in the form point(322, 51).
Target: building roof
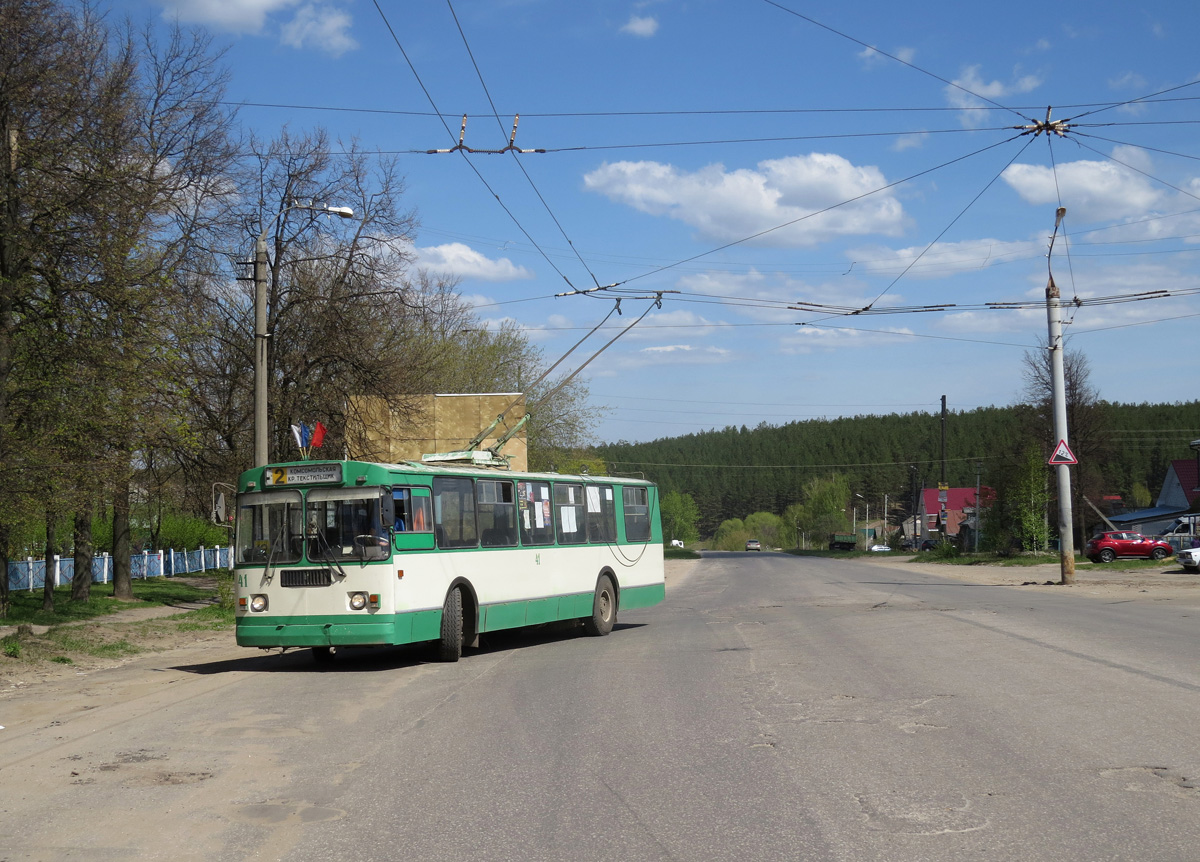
point(956, 498)
point(1189, 478)
point(1157, 513)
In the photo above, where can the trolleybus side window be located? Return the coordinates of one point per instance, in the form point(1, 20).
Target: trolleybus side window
point(533, 513)
point(497, 513)
point(413, 510)
point(637, 513)
point(269, 527)
point(569, 514)
point(347, 524)
point(454, 513)
point(601, 513)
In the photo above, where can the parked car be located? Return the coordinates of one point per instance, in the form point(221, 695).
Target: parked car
point(1189, 558)
point(676, 543)
point(1106, 547)
point(753, 545)
point(927, 545)
point(881, 549)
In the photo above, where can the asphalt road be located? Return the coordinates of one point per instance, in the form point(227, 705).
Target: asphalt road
point(772, 708)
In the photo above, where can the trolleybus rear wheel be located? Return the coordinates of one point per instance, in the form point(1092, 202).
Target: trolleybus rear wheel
point(604, 609)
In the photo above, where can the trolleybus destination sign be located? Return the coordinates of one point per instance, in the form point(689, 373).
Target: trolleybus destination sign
point(306, 474)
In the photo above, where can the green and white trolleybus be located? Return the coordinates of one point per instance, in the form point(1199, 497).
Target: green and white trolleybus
point(349, 553)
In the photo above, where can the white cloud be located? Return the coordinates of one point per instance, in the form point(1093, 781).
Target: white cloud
point(727, 205)
point(1128, 81)
point(323, 28)
point(944, 258)
point(456, 258)
point(1091, 190)
point(675, 354)
point(645, 27)
point(834, 336)
point(242, 16)
point(969, 92)
point(910, 142)
point(872, 56)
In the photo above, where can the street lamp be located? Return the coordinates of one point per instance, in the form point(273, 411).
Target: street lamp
point(260, 323)
point(866, 519)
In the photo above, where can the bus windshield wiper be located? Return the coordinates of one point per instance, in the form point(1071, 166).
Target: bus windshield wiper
point(329, 560)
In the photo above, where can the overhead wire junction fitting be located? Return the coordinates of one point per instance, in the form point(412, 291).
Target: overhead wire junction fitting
point(1050, 127)
point(460, 146)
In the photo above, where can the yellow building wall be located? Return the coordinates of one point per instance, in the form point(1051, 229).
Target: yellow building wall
point(433, 423)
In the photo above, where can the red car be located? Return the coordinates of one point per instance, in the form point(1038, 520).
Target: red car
point(1106, 547)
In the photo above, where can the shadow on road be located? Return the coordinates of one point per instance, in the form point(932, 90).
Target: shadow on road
point(374, 659)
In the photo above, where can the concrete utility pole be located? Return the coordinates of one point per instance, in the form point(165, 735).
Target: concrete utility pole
point(261, 265)
point(260, 351)
point(1066, 536)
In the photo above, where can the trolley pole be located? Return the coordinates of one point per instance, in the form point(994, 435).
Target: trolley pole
point(1066, 537)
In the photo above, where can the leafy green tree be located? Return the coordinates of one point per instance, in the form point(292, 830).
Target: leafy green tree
point(731, 535)
point(825, 502)
point(114, 146)
point(766, 527)
point(791, 536)
point(680, 517)
point(1018, 517)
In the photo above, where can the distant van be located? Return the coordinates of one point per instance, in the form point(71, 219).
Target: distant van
point(1183, 532)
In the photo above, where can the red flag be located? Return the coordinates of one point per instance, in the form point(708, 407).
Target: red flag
point(318, 436)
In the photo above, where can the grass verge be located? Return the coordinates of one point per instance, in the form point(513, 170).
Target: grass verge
point(79, 636)
point(26, 607)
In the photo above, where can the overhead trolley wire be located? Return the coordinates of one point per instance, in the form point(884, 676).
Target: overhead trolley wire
point(806, 216)
point(883, 53)
point(433, 104)
point(710, 112)
point(495, 113)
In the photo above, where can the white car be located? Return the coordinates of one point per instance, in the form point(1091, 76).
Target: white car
point(676, 543)
point(1189, 558)
point(880, 549)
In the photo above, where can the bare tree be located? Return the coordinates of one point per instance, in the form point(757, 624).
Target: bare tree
point(115, 144)
point(1087, 417)
point(340, 306)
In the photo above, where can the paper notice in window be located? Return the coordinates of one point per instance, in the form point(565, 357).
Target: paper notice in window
point(593, 498)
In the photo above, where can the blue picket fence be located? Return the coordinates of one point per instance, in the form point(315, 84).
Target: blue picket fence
point(30, 574)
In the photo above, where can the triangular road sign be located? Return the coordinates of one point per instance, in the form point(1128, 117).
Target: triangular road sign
point(1062, 455)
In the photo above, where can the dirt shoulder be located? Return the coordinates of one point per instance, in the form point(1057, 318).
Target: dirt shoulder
point(148, 638)
point(1106, 581)
point(78, 650)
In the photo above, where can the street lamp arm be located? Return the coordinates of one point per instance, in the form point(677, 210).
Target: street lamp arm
point(340, 212)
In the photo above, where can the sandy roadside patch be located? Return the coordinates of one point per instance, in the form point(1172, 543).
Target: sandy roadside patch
point(1091, 579)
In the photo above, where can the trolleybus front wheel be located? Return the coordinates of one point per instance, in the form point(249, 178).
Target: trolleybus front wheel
point(604, 609)
point(450, 645)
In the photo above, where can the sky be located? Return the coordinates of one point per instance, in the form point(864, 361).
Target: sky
point(746, 174)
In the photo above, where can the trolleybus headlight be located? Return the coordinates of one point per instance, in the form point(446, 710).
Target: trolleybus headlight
point(358, 601)
point(258, 603)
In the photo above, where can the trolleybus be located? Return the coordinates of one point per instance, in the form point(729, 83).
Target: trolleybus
point(350, 553)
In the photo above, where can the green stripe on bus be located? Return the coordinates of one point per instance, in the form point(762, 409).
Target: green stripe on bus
point(641, 597)
point(418, 626)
